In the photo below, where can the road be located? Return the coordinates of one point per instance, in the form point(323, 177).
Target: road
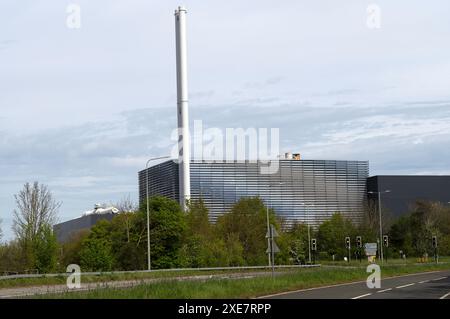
point(432, 285)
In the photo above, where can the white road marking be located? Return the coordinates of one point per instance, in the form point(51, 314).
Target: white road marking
point(423, 281)
point(439, 278)
point(309, 289)
point(405, 286)
point(362, 296)
point(445, 296)
point(384, 290)
point(344, 284)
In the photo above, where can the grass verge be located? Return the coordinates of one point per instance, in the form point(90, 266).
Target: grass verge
point(61, 280)
point(245, 288)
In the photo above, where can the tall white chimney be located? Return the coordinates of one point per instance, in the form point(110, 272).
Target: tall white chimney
point(182, 108)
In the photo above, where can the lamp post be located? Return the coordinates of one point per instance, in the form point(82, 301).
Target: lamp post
point(268, 232)
point(148, 210)
point(381, 225)
point(271, 262)
point(309, 233)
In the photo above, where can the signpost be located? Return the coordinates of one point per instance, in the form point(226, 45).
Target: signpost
point(273, 248)
point(371, 251)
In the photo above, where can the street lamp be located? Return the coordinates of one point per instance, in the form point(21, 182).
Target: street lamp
point(309, 233)
point(381, 225)
point(271, 262)
point(148, 210)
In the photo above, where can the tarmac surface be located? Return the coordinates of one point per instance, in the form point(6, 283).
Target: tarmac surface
point(430, 285)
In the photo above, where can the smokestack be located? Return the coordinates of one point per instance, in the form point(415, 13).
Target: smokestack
point(182, 108)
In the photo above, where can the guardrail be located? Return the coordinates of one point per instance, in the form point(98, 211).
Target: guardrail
point(156, 270)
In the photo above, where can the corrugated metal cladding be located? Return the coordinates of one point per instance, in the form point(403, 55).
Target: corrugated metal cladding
point(163, 180)
point(331, 186)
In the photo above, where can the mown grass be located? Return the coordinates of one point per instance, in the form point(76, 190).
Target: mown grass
point(245, 288)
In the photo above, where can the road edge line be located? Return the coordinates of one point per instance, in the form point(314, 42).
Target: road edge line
point(342, 284)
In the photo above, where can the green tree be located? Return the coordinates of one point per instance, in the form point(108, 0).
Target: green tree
point(96, 250)
point(35, 214)
point(70, 250)
point(401, 237)
point(247, 222)
point(46, 250)
point(168, 225)
point(412, 233)
point(128, 240)
point(331, 235)
point(196, 250)
point(197, 220)
point(11, 258)
point(293, 244)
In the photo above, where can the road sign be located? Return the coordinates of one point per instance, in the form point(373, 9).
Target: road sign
point(274, 232)
point(274, 247)
point(370, 249)
point(272, 244)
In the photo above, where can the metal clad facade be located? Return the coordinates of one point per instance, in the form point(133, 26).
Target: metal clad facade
point(163, 181)
point(406, 190)
point(330, 186)
point(65, 230)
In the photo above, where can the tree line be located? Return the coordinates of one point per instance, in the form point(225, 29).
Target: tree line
point(191, 239)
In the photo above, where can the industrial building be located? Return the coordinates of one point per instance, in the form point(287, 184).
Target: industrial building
point(64, 231)
point(300, 191)
point(307, 191)
point(399, 193)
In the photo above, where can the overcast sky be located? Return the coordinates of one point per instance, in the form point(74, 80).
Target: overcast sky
point(82, 109)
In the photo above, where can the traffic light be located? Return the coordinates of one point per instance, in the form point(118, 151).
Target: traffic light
point(313, 244)
point(385, 241)
point(434, 239)
point(347, 242)
point(358, 241)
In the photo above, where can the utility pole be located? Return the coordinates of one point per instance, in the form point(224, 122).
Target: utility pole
point(381, 227)
point(309, 244)
point(381, 223)
point(268, 231)
point(309, 232)
point(272, 250)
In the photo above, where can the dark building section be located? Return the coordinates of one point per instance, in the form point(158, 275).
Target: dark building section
point(406, 190)
point(64, 231)
point(325, 186)
point(163, 181)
